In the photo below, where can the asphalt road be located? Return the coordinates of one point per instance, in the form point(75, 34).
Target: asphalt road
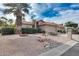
point(74, 51)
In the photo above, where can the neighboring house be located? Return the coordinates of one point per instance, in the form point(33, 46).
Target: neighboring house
point(48, 27)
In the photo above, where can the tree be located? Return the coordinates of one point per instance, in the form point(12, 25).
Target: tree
point(16, 9)
point(10, 21)
point(71, 24)
point(3, 21)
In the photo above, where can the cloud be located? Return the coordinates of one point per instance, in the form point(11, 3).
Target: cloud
point(48, 9)
point(75, 5)
point(67, 15)
point(57, 12)
point(42, 10)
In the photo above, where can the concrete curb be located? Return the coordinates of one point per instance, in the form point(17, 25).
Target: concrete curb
point(60, 50)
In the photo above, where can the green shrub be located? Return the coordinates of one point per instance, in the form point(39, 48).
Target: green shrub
point(0, 30)
point(31, 31)
point(7, 31)
point(51, 33)
point(28, 31)
point(40, 31)
point(75, 31)
point(62, 31)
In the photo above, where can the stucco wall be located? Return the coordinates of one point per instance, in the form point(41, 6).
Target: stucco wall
point(26, 26)
point(60, 28)
point(49, 29)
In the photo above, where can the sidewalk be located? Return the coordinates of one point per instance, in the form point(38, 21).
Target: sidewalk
point(60, 50)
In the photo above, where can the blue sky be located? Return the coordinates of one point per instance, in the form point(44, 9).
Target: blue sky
point(53, 12)
point(57, 12)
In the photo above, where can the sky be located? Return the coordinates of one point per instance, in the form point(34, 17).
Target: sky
point(51, 12)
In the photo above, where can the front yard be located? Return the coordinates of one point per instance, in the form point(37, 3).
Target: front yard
point(28, 45)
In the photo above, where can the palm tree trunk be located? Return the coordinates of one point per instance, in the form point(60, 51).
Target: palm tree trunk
point(18, 24)
point(18, 14)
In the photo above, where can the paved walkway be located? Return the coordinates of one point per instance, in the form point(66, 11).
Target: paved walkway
point(74, 51)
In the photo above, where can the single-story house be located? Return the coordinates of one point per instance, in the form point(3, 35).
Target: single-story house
point(26, 24)
point(60, 27)
point(48, 27)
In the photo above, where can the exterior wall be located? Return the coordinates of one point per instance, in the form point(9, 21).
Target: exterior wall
point(26, 26)
point(60, 28)
point(34, 24)
point(49, 29)
point(78, 29)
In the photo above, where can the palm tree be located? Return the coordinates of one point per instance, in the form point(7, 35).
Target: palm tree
point(17, 9)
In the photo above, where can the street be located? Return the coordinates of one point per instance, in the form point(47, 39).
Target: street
point(74, 51)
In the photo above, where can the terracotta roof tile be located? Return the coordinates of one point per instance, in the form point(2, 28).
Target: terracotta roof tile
point(27, 23)
point(48, 23)
point(43, 23)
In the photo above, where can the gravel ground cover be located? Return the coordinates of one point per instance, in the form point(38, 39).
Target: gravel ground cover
point(25, 46)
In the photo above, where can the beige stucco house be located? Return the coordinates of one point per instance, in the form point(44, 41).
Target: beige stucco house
point(48, 27)
point(26, 24)
point(60, 27)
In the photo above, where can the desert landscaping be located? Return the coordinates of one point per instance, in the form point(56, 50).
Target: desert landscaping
point(29, 45)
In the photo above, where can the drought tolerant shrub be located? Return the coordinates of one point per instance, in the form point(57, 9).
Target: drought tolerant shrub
point(28, 31)
point(51, 33)
point(75, 31)
point(7, 31)
point(61, 31)
point(31, 31)
point(0, 30)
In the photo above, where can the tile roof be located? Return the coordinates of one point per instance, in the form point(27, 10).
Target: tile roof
point(26, 23)
point(51, 24)
point(44, 23)
point(47, 23)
